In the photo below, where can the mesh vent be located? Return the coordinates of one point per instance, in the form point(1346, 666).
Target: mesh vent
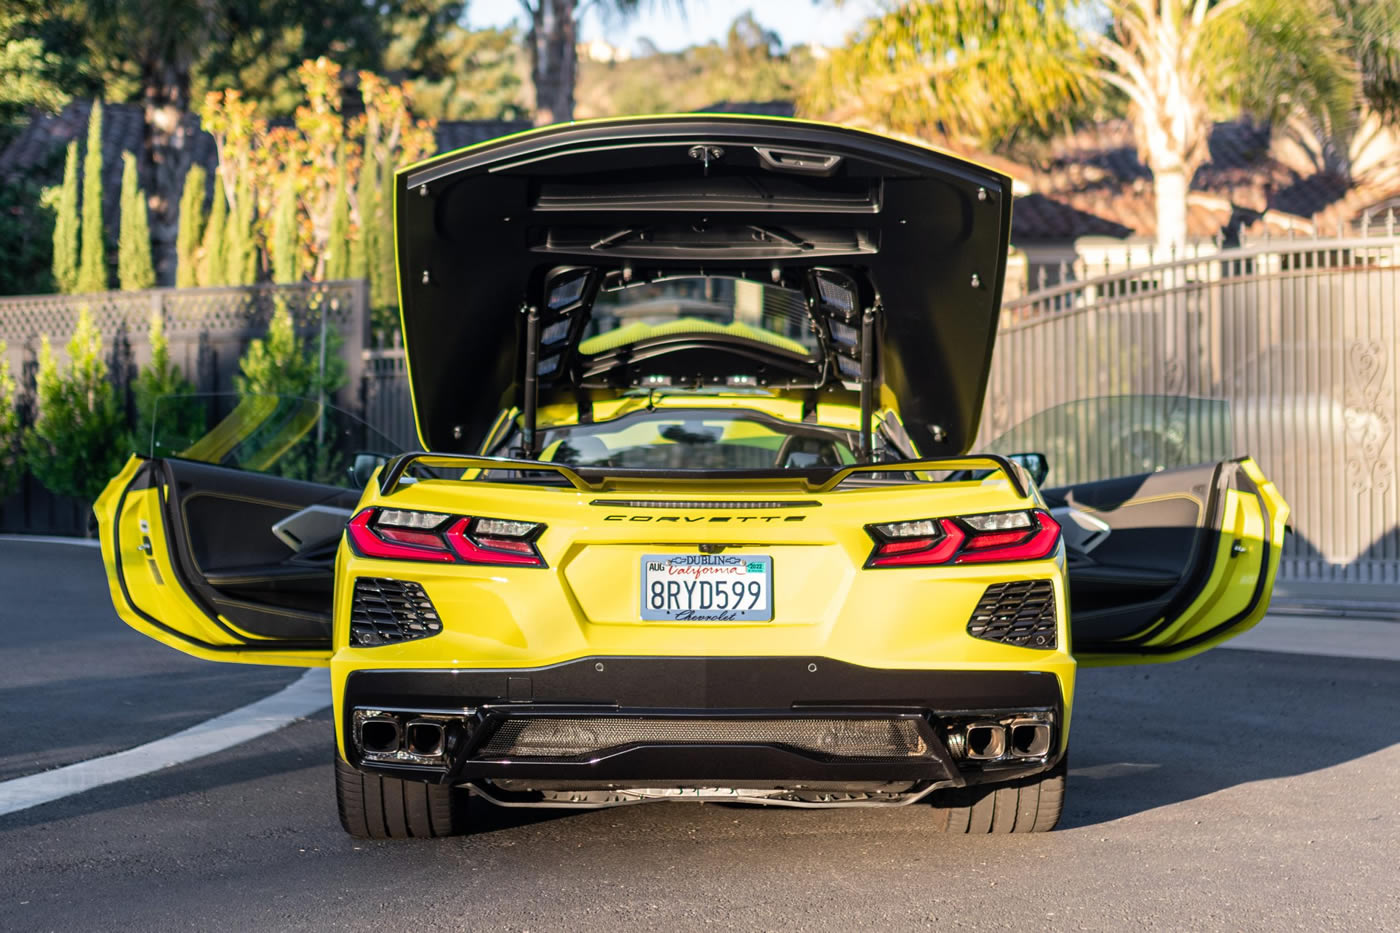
point(579, 737)
point(387, 611)
point(1020, 613)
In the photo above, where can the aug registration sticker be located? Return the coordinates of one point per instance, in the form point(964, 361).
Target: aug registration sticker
point(707, 588)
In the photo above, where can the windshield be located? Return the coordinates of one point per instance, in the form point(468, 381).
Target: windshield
point(709, 305)
point(698, 440)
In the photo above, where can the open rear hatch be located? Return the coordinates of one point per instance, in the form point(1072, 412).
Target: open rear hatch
point(504, 248)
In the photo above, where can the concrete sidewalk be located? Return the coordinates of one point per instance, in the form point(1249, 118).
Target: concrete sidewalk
point(1357, 600)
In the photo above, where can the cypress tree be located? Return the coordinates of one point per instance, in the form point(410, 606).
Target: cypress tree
point(212, 258)
point(92, 269)
point(384, 292)
point(284, 234)
point(338, 243)
point(367, 199)
point(135, 270)
point(191, 229)
point(240, 252)
point(65, 227)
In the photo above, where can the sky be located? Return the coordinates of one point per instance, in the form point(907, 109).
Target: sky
point(795, 21)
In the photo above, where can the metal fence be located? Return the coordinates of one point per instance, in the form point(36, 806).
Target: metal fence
point(1297, 339)
point(387, 404)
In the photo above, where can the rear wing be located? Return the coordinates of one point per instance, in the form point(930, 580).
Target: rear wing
point(599, 479)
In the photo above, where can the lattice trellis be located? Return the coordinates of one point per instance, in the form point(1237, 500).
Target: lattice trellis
point(208, 328)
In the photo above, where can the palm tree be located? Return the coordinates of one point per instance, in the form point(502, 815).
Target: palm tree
point(980, 71)
point(553, 43)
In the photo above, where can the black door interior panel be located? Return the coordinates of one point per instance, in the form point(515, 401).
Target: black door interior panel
point(220, 522)
point(1163, 532)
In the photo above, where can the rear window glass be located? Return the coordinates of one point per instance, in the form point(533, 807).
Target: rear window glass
point(765, 314)
point(697, 440)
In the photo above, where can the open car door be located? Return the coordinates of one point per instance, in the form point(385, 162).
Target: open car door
point(1172, 559)
point(226, 550)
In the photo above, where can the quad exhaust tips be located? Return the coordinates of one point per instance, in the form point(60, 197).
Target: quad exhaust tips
point(409, 737)
point(988, 741)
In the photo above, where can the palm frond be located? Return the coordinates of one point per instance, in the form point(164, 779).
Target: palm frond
point(975, 70)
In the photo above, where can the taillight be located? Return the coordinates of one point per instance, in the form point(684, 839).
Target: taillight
point(993, 537)
point(398, 534)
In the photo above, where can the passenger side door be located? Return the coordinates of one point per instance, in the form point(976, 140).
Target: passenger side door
point(234, 559)
point(1172, 543)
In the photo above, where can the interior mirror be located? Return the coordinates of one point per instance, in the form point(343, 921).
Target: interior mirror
point(1034, 464)
point(363, 467)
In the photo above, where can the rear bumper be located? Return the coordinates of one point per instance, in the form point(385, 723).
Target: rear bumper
point(472, 706)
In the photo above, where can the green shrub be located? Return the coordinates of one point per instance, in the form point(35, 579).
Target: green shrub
point(283, 364)
point(79, 439)
point(9, 428)
point(168, 419)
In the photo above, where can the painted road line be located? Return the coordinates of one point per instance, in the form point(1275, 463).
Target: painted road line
point(308, 694)
point(1338, 638)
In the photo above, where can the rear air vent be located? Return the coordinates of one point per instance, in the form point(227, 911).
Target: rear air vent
point(748, 505)
point(1020, 613)
point(386, 611)
point(578, 737)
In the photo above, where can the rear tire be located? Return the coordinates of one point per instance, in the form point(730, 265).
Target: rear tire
point(1030, 805)
point(376, 807)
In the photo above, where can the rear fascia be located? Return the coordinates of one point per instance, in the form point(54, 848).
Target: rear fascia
point(898, 620)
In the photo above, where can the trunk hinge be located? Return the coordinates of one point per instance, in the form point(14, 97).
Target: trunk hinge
point(530, 403)
point(867, 381)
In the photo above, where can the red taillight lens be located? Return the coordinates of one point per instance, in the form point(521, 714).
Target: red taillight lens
point(1031, 545)
point(958, 541)
point(389, 543)
point(476, 549)
point(398, 535)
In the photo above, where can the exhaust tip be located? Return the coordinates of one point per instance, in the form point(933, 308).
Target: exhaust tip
point(380, 736)
point(1030, 738)
point(424, 737)
point(985, 740)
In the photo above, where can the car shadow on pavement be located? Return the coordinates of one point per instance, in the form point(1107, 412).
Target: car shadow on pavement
point(1148, 737)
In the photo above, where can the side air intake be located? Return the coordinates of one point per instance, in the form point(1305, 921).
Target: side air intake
point(384, 612)
point(1020, 613)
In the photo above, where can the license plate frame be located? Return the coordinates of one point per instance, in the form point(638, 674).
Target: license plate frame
point(706, 573)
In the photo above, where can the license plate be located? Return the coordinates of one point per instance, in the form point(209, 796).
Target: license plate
point(707, 588)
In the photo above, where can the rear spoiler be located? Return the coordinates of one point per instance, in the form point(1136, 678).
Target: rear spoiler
point(597, 479)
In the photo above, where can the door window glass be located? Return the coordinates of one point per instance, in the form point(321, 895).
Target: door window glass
point(1100, 438)
point(297, 438)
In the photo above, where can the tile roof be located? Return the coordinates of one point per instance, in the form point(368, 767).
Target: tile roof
point(1097, 173)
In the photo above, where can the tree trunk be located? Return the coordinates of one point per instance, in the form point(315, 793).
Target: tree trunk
point(1170, 186)
point(553, 42)
point(164, 156)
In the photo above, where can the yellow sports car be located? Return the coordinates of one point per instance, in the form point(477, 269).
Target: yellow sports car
point(693, 517)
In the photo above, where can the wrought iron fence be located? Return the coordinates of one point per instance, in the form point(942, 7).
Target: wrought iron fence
point(387, 404)
point(1298, 340)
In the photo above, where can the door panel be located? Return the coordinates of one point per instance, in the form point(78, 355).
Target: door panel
point(193, 562)
point(1188, 560)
